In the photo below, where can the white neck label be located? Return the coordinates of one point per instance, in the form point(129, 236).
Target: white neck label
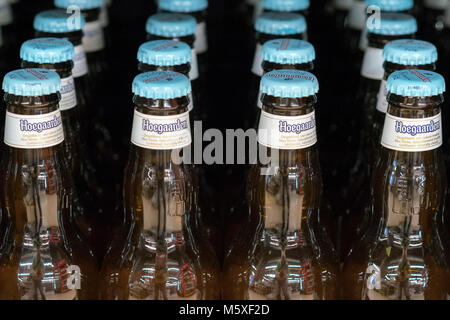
point(93, 39)
point(68, 95)
point(382, 104)
point(372, 66)
point(193, 73)
point(161, 132)
point(201, 38)
point(289, 133)
point(80, 66)
point(33, 131)
point(257, 61)
point(412, 135)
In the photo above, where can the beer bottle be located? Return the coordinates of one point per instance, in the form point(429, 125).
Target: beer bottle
point(392, 26)
point(46, 256)
point(403, 254)
point(161, 258)
point(281, 54)
point(57, 54)
point(272, 26)
point(282, 199)
point(57, 23)
point(197, 9)
point(374, 6)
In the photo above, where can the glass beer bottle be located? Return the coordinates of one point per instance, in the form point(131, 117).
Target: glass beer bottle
point(404, 253)
point(44, 256)
point(56, 54)
point(278, 254)
point(161, 257)
point(392, 26)
point(197, 9)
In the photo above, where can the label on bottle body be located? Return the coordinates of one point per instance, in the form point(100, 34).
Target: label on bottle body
point(372, 66)
point(201, 38)
point(382, 104)
point(33, 131)
point(68, 95)
point(6, 16)
point(93, 39)
point(357, 16)
point(289, 133)
point(257, 61)
point(161, 132)
point(412, 135)
point(80, 66)
point(193, 73)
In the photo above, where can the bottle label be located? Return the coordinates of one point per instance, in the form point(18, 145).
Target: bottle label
point(191, 102)
point(372, 66)
point(193, 73)
point(412, 135)
point(282, 132)
point(357, 16)
point(33, 131)
point(257, 61)
point(80, 66)
point(93, 39)
point(68, 95)
point(382, 104)
point(161, 132)
point(6, 16)
point(201, 38)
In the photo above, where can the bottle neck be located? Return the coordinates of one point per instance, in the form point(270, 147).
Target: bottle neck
point(189, 40)
point(271, 66)
point(379, 41)
point(182, 68)
point(91, 15)
point(262, 38)
point(74, 37)
point(390, 68)
point(64, 69)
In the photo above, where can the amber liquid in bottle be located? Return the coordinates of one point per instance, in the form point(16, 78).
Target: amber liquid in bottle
point(160, 255)
point(43, 254)
point(279, 254)
point(403, 254)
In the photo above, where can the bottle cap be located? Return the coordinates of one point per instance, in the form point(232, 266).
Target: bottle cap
point(171, 25)
point(164, 53)
point(82, 4)
point(392, 24)
point(288, 51)
point(289, 84)
point(31, 82)
point(183, 5)
point(57, 21)
point(280, 23)
point(285, 5)
point(415, 83)
point(391, 5)
point(47, 50)
point(161, 85)
point(410, 52)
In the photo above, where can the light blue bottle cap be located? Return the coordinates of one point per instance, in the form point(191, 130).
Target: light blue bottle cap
point(280, 23)
point(47, 50)
point(288, 51)
point(289, 84)
point(392, 24)
point(31, 82)
point(57, 21)
point(82, 4)
point(410, 52)
point(171, 25)
point(391, 5)
point(164, 53)
point(183, 5)
point(415, 83)
point(161, 85)
point(285, 5)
